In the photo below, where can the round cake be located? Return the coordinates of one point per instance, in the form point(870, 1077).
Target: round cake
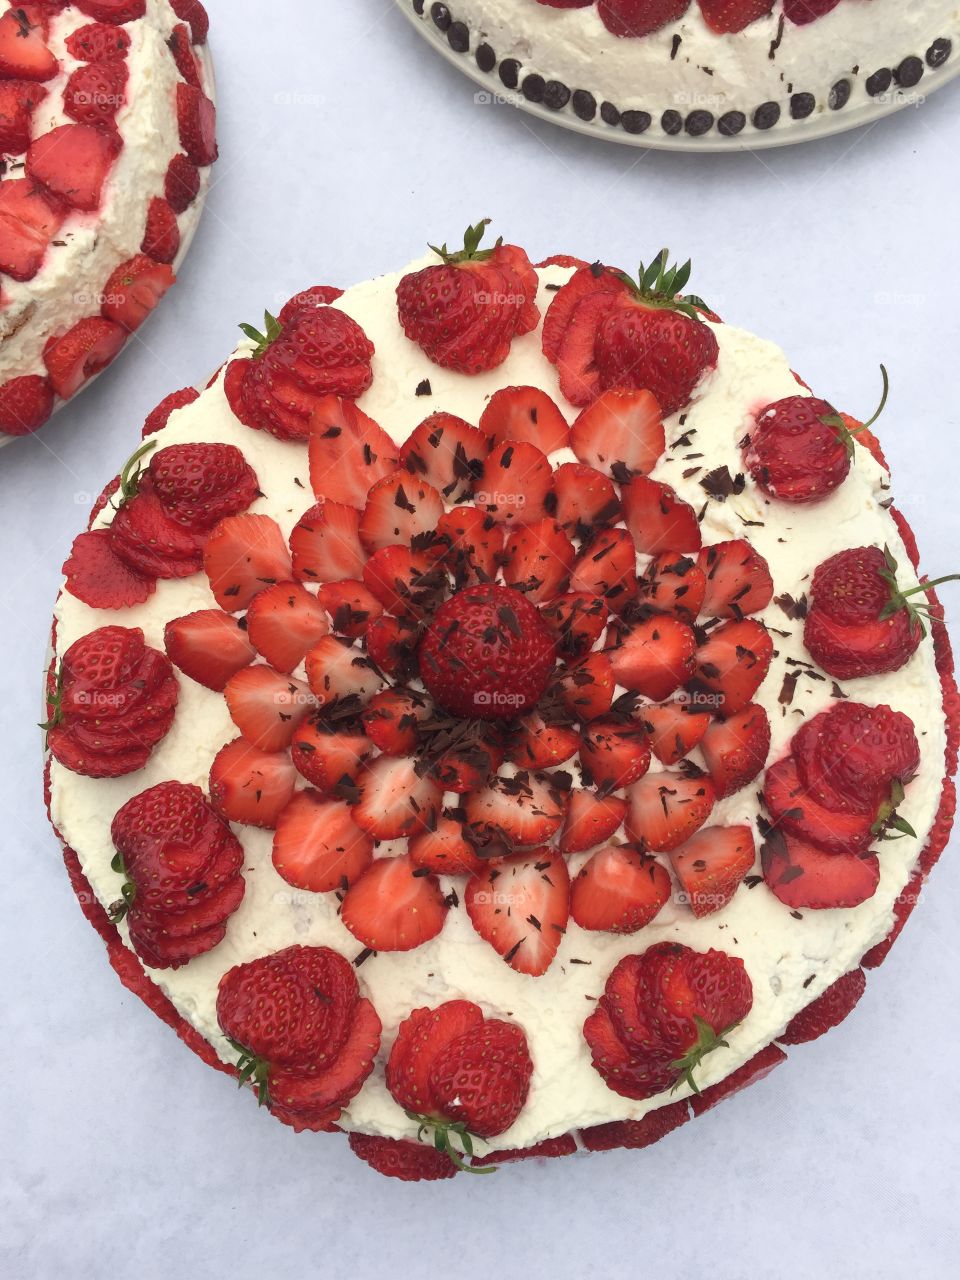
point(107, 129)
point(500, 711)
point(721, 71)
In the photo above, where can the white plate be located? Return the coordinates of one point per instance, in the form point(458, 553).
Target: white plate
point(786, 132)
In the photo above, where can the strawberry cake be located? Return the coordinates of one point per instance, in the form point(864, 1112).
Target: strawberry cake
point(107, 134)
point(721, 71)
point(500, 712)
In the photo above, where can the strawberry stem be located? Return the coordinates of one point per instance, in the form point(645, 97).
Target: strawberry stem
point(55, 705)
point(471, 251)
point(128, 890)
point(443, 1131)
point(659, 285)
point(251, 1069)
point(919, 613)
point(707, 1041)
point(888, 819)
point(271, 332)
point(847, 435)
point(131, 473)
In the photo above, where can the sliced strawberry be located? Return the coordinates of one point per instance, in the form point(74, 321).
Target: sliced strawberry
point(758, 1068)
point(590, 820)
point(583, 500)
point(712, 865)
point(588, 686)
point(96, 575)
point(733, 664)
point(621, 434)
point(251, 786)
point(421, 1040)
point(445, 850)
point(134, 289)
point(72, 162)
point(158, 418)
point(193, 12)
point(654, 657)
point(667, 808)
point(181, 185)
point(329, 757)
point(827, 1011)
point(188, 64)
point(98, 42)
point(475, 542)
point(325, 544)
point(521, 811)
point(658, 520)
point(538, 558)
point(614, 754)
point(607, 567)
point(405, 582)
point(65, 748)
point(95, 92)
point(395, 799)
point(349, 452)
point(150, 540)
point(515, 483)
point(804, 877)
point(624, 1073)
point(389, 644)
point(209, 646)
point(587, 281)
point(619, 890)
point(266, 706)
point(243, 555)
point(394, 906)
point(26, 403)
point(399, 509)
point(736, 749)
point(903, 908)
point(525, 413)
point(117, 11)
point(161, 239)
point(24, 54)
point(578, 620)
point(674, 731)
point(336, 672)
point(795, 811)
point(197, 120)
point(391, 719)
point(466, 769)
point(634, 1135)
point(351, 607)
point(318, 846)
point(542, 746)
point(577, 358)
point(81, 353)
point(29, 220)
point(738, 580)
point(398, 1158)
point(521, 907)
point(284, 622)
point(316, 295)
point(673, 584)
point(448, 453)
point(18, 99)
point(314, 1102)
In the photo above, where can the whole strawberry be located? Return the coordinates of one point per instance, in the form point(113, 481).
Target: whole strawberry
point(487, 654)
point(655, 338)
point(465, 312)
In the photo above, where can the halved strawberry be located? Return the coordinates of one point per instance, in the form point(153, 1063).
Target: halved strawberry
point(328, 756)
point(98, 42)
point(117, 11)
point(578, 620)
point(193, 13)
point(396, 799)
point(318, 846)
point(96, 575)
point(654, 657)
point(621, 434)
point(29, 220)
point(525, 413)
point(796, 812)
point(81, 353)
point(667, 808)
point(521, 810)
point(134, 289)
point(405, 582)
point(251, 786)
point(266, 706)
point(805, 877)
point(243, 555)
point(542, 746)
point(658, 520)
point(619, 890)
point(209, 646)
point(197, 121)
point(614, 754)
point(587, 687)
point(181, 185)
point(284, 622)
point(325, 544)
point(180, 45)
point(674, 730)
point(738, 580)
point(95, 92)
point(161, 239)
point(475, 542)
point(673, 584)
point(24, 54)
point(733, 664)
point(445, 850)
point(537, 559)
point(72, 162)
point(590, 820)
point(391, 718)
point(389, 643)
point(337, 671)
point(583, 500)
point(466, 769)
point(351, 607)
point(400, 1158)
point(521, 907)
point(349, 452)
point(827, 1011)
point(26, 403)
point(18, 99)
point(399, 509)
point(448, 453)
point(585, 282)
point(736, 749)
point(607, 567)
point(712, 865)
point(394, 906)
point(515, 483)
point(159, 416)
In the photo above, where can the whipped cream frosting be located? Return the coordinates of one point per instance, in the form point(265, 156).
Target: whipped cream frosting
point(790, 959)
point(89, 246)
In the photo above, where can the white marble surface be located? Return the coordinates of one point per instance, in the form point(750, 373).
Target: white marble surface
point(344, 148)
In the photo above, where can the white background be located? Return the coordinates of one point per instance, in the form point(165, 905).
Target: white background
point(346, 145)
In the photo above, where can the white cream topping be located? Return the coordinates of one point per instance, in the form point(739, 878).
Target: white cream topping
point(69, 285)
point(790, 960)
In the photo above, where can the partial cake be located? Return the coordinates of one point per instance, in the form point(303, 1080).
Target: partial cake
point(500, 711)
point(711, 69)
point(107, 129)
